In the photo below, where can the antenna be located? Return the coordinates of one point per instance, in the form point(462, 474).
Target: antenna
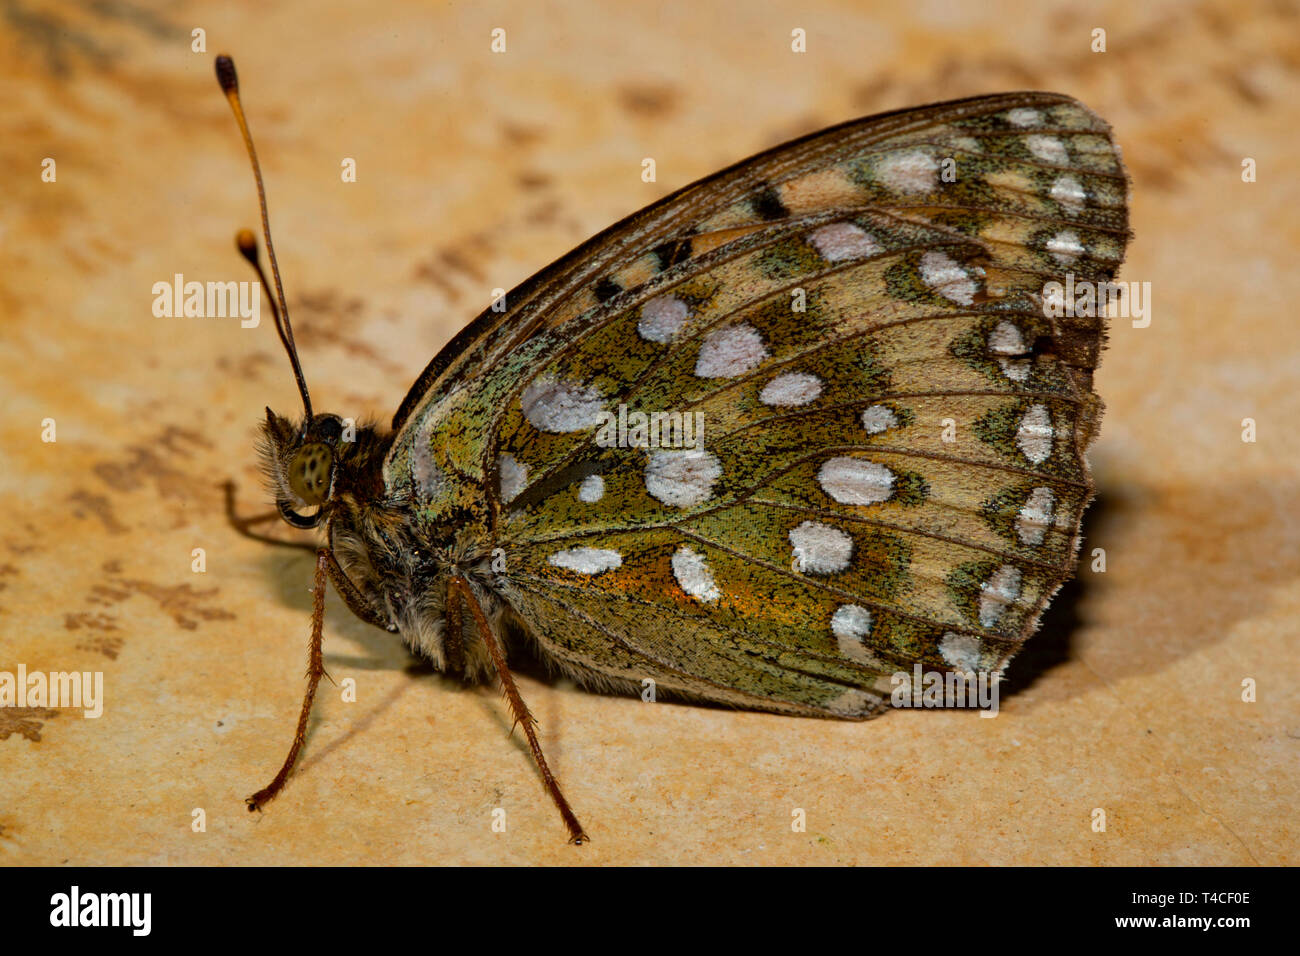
point(229, 81)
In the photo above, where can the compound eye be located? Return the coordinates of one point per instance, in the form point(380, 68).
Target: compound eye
point(330, 428)
point(309, 473)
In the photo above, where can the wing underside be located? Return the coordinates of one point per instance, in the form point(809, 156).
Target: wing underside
point(865, 415)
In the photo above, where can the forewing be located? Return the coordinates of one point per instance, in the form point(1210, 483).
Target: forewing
point(887, 428)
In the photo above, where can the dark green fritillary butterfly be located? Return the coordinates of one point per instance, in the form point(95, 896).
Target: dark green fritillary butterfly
point(888, 467)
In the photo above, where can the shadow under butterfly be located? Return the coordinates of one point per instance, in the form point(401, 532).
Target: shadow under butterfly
point(897, 405)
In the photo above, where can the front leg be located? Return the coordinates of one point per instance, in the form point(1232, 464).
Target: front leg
point(357, 603)
point(315, 671)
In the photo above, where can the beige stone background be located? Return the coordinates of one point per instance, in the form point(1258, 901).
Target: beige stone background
point(475, 170)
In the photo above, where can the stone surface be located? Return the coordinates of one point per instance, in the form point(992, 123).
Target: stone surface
point(475, 170)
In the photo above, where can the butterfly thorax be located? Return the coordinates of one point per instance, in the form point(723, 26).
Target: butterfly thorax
point(403, 564)
point(397, 549)
point(402, 556)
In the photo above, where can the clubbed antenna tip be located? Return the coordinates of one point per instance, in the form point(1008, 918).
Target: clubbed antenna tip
point(247, 244)
point(226, 74)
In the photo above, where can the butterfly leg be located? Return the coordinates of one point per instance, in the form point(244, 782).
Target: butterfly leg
point(357, 602)
point(315, 671)
point(460, 585)
point(453, 647)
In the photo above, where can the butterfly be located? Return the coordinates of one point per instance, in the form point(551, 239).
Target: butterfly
point(876, 428)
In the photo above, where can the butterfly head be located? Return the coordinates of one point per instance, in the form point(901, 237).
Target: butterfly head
point(302, 462)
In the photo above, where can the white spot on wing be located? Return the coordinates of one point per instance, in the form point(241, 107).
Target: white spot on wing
point(1069, 193)
point(587, 560)
point(1034, 436)
point(592, 489)
point(1022, 116)
point(878, 418)
point(839, 241)
point(820, 549)
point(428, 479)
point(693, 574)
point(553, 406)
point(1005, 341)
point(662, 318)
point(513, 476)
point(942, 274)
point(791, 389)
point(961, 651)
point(682, 478)
point(855, 481)
point(851, 621)
point(1035, 516)
point(730, 351)
point(851, 624)
point(1015, 369)
point(1049, 149)
point(1065, 246)
point(911, 172)
point(998, 591)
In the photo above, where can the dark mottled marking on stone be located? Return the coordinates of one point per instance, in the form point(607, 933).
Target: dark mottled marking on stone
point(648, 99)
point(26, 721)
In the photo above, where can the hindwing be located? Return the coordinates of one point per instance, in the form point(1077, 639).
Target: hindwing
point(889, 416)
